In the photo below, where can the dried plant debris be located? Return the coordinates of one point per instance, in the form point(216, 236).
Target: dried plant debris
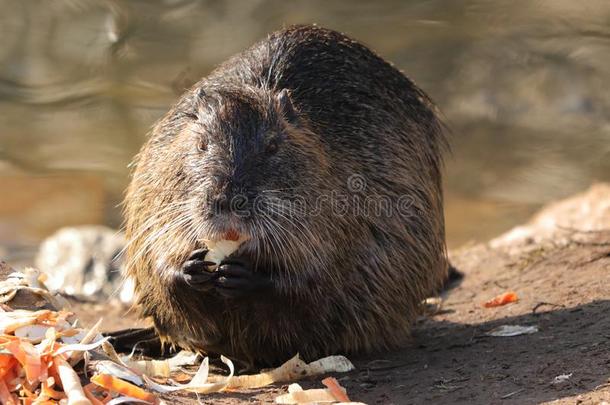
point(36, 358)
point(512, 330)
point(293, 370)
point(32, 281)
point(161, 368)
point(560, 379)
point(46, 358)
point(334, 393)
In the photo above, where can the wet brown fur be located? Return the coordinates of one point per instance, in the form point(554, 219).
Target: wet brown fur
point(343, 283)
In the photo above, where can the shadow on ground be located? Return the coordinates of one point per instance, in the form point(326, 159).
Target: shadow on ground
point(456, 363)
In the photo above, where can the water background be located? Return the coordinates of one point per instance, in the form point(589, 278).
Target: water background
point(522, 83)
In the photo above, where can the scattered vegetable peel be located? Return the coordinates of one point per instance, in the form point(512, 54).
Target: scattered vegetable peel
point(502, 299)
point(39, 350)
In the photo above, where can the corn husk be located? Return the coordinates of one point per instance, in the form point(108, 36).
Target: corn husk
point(161, 368)
point(292, 370)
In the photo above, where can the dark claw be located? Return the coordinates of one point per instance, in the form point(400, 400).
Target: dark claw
point(198, 254)
point(144, 341)
point(197, 257)
point(196, 266)
point(195, 271)
point(200, 281)
point(234, 270)
point(236, 279)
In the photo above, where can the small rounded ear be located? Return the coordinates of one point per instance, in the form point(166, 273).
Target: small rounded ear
point(200, 93)
point(285, 106)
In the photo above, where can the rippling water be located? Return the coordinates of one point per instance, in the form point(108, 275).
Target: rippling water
point(523, 85)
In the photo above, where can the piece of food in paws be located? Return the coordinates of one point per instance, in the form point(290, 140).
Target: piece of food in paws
point(222, 248)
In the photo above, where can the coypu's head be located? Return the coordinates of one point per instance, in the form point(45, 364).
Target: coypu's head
point(223, 160)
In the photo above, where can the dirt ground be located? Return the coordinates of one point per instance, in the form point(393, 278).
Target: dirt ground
point(563, 284)
point(563, 290)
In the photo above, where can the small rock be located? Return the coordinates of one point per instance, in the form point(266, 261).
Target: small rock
point(85, 261)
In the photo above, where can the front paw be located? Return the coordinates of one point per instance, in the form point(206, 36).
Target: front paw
point(195, 271)
point(236, 279)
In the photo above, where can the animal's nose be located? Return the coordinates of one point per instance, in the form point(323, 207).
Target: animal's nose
point(219, 200)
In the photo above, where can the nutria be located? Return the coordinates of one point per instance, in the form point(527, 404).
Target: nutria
point(288, 143)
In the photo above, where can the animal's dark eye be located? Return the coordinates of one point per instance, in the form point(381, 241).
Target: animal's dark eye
point(191, 116)
point(202, 144)
point(272, 146)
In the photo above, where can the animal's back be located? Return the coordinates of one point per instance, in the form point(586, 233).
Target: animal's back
point(338, 83)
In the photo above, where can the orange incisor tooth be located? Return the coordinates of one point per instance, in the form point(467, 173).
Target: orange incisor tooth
point(232, 234)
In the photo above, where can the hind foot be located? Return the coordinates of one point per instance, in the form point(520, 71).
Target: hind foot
point(144, 341)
